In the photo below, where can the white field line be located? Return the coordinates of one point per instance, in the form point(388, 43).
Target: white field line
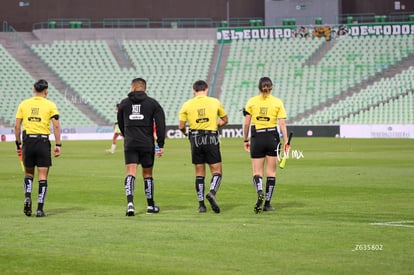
point(396, 223)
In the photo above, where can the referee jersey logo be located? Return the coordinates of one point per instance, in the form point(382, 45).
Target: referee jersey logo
point(34, 115)
point(34, 119)
point(136, 113)
point(262, 118)
point(201, 120)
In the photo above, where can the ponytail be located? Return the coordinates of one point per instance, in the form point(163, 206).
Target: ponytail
point(265, 86)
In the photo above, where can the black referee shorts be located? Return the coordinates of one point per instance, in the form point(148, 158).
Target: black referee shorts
point(36, 152)
point(265, 144)
point(205, 148)
point(143, 156)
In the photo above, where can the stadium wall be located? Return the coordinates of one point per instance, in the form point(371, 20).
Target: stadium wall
point(378, 7)
point(136, 34)
point(307, 12)
point(22, 16)
point(304, 11)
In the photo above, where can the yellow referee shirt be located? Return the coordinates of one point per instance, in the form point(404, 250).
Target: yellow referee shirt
point(36, 113)
point(265, 111)
point(201, 112)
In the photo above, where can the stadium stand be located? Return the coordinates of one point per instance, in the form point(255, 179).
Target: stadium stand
point(398, 109)
point(249, 60)
point(282, 60)
point(379, 95)
point(304, 85)
point(15, 86)
point(90, 69)
point(169, 66)
point(362, 58)
point(345, 80)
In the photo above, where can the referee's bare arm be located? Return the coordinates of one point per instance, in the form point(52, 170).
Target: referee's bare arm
point(56, 132)
point(182, 128)
point(17, 130)
point(282, 125)
point(222, 121)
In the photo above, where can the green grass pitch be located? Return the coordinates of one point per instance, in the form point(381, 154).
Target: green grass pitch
point(346, 207)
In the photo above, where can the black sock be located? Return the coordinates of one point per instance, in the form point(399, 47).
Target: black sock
point(215, 183)
point(27, 185)
point(270, 187)
point(258, 183)
point(149, 190)
point(129, 188)
point(199, 187)
point(42, 194)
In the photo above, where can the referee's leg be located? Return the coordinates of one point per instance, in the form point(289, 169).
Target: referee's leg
point(42, 177)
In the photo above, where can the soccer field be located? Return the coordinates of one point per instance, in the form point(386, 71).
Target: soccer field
point(345, 206)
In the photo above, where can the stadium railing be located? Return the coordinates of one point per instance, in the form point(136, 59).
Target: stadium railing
point(73, 23)
point(76, 23)
point(356, 18)
point(125, 22)
point(188, 22)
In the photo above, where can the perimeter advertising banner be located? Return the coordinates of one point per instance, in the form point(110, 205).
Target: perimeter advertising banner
point(378, 131)
point(236, 131)
point(226, 35)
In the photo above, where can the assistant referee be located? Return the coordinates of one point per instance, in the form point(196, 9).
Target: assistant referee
point(34, 116)
point(262, 115)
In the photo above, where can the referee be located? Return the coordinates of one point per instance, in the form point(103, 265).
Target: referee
point(262, 114)
point(204, 115)
point(137, 116)
point(34, 116)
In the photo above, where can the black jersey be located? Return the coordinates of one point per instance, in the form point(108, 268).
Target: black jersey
point(137, 116)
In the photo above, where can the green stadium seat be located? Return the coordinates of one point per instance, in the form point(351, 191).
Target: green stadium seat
point(15, 78)
point(300, 81)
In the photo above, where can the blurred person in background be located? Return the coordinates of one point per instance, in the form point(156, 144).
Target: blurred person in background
point(117, 133)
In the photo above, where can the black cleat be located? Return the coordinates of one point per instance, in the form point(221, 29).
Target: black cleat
point(130, 210)
point(27, 209)
point(153, 209)
point(268, 207)
point(202, 209)
point(212, 200)
point(40, 213)
point(260, 199)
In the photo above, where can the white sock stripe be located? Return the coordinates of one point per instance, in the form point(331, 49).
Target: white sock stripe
point(200, 192)
point(149, 188)
point(215, 182)
point(258, 183)
point(27, 185)
point(42, 194)
point(129, 185)
point(270, 193)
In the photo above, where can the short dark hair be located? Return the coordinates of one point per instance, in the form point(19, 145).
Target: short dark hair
point(41, 85)
point(139, 80)
point(200, 85)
